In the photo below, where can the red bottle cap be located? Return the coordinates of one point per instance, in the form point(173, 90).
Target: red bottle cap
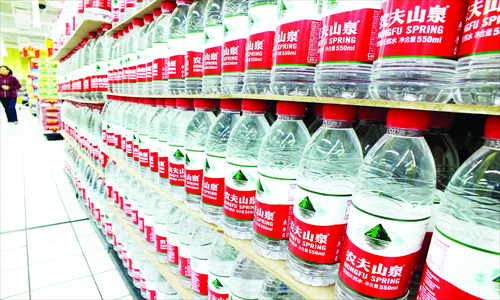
point(170, 102)
point(168, 7)
point(160, 101)
point(125, 30)
point(183, 102)
point(142, 100)
point(189, 2)
point(231, 104)
point(319, 109)
point(138, 22)
point(106, 27)
point(149, 101)
point(253, 105)
point(148, 18)
point(290, 108)
point(492, 128)
point(135, 100)
point(115, 36)
point(130, 26)
point(408, 119)
point(203, 103)
point(339, 112)
point(372, 113)
point(441, 119)
point(92, 34)
point(120, 33)
point(99, 31)
point(156, 13)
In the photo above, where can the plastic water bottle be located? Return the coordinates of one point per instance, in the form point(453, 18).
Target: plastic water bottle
point(201, 244)
point(318, 121)
point(212, 192)
point(161, 284)
point(135, 190)
point(128, 199)
point(347, 48)
point(176, 151)
point(212, 53)
point(262, 21)
point(241, 169)
point(101, 57)
point(138, 259)
point(119, 127)
point(111, 48)
point(177, 48)
point(278, 168)
point(162, 136)
point(142, 57)
point(467, 227)
point(143, 191)
point(371, 126)
point(390, 211)
point(246, 278)
point(194, 144)
point(151, 275)
point(153, 139)
point(175, 215)
point(195, 40)
point(187, 225)
point(160, 215)
point(417, 64)
point(142, 265)
point(124, 79)
point(160, 49)
point(116, 85)
point(87, 49)
point(220, 262)
point(327, 175)
point(273, 288)
point(149, 207)
point(143, 135)
point(128, 119)
point(135, 132)
point(133, 56)
point(150, 55)
point(296, 47)
point(169, 293)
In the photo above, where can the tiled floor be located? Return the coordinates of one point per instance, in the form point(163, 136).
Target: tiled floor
point(48, 248)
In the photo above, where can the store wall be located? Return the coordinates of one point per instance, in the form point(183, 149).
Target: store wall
point(18, 64)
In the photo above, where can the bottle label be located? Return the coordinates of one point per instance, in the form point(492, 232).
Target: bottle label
point(184, 260)
point(143, 282)
point(239, 195)
point(136, 273)
point(233, 48)
point(319, 224)
point(153, 154)
point(194, 163)
point(143, 142)
point(160, 62)
point(163, 159)
point(135, 146)
point(141, 65)
point(297, 43)
point(212, 191)
point(118, 140)
point(141, 222)
point(128, 208)
point(260, 42)
point(176, 165)
point(101, 4)
point(121, 201)
point(218, 287)
point(104, 159)
point(199, 275)
point(194, 54)
point(173, 247)
point(149, 233)
point(447, 275)
point(109, 230)
point(160, 238)
point(213, 48)
point(151, 289)
point(135, 214)
point(176, 51)
point(481, 29)
point(236, 297)
point(350, 36)
point(380, 254)
point(150, 57)
point(420, 28)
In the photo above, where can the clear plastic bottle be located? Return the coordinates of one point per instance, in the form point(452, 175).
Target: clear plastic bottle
point(172, 232)
point(135, 186)
point(162, 135)
point(246, 278)
point(161, 284)
point(212, 53)
point(101, 57)
point(142, 266)
point(327, 175)
point(126, 152)
point(297, 43)
point(149, 207)
point(176, 152)
point(129, 9)
point(125, 59)
point(117, 71)
point(262, 20)
point(138, 260)
point(220, 262)
point(346, 54)
point(150, 55)
point(275, 289)
point(194, 144)
point(467, 230)
point(371, 126)
point(241, 169)
point(143, 192)
point(119, 126)
point(195, 40)
point(187, 225)
point(390, 210)
point(201, 244)
point(143, 135)
point(278, 168)
point(160, 216)
point(153, 139)
point(142, 58)
point(318, 121)
point(132, 53)
point(212, 191)
point(135, 132)
point(87, 70)
point(170, 293)
point(151, 275)
point(417, 64)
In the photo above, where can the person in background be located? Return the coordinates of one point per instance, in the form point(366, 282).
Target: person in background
point(8, 93)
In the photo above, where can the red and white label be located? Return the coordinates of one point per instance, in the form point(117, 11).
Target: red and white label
point(149, 233)
point(141, 222)
point(420, 28)
point(151, 289)
point(194, 54)
point(233, 48)
point(239, 195)
point(260, 41)
point(163, 152)
point(194, 161)
point(109, 229)
point(297, 43)
point(184, 260)
point(199, 275)
point(160, 238)
point(144, 156)
point(176, 165)
point(218, 287)
point(176, 58)
point(160, 62)
point(212, 192)
point(173, 247)
point(212, 56)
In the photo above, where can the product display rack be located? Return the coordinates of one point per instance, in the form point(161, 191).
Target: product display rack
point(148, 9)
point(82, 155)
point(81, 101)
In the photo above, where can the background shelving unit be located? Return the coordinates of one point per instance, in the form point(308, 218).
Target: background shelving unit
point(81, 101)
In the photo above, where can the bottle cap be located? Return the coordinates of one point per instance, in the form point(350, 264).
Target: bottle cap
point(99, 31)
point(170, 102)
point(142, 100)
point(160, 101)
point(138, 22)
point(115, 35)
point(290, 108)
point(492, 128)
point(130, 26)
point(125, 30)
point(156, 13)
point(149, 101)
point(253, 105)
point(185, 2)
point(168, 7)
point(441, 119)
point(319, 109)
point(106, 27)
point(339, 112)
point(148, 18)
point(120, 33)
point(231, 104)
point(92, 35)
point(203, 103)
point(130, 99)
point(408, 119)
point(135, 99)
point(372, 113)
point(183, 102)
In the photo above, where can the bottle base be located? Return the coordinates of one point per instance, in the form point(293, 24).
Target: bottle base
point(192, 204)
point(177, 193)
point(185, 282)
point(431, 92)
point(162, 257)
point(173, 268)
point(349, 90)
point(164, 184)
point(273, 249)
point(487, 93)
point(311, 273)
point(150, 247)
point(237, 229)
point(211, 214)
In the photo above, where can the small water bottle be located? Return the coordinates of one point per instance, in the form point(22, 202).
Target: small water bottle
point(186, 228)
point(201, 244)
point(220, 262)
point(175, 215)
point(212, 53)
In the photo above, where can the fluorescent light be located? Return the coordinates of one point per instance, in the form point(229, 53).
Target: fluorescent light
point(36, 14)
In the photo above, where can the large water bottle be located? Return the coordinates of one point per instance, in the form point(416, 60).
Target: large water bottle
point(143, 191)
point(175, 215)
point(327, 174)
point(159, 129)
point(176, 152)
point(135, 132)
point(100, 58)
point(150, 55)
point(195, 40)
point(220, 262)
point(278, 168)
point(273, 288)
point(142, 57)
point(151, 275)
point(371, 126)
point(98, 11)
point(115, 86)
point(149, 207)
point(296, 47)
point(160, 215)
point(111, 61)
point(160, 49)
point(390, 211)
point(417, 53)
point(241, 169)
point(129, 113)
point(119, 126)
point(138, 260)
point(142, 266)
point(262, 19)
point(246, 278)
point(347, 48)
point(153, 139)
point(87, 70)
point(133, 56)
point(201, 244)
point(212, 191)
point(135, 195)
point(143, 135)
point(467, 227)
point(212, 53)
point(194, 144)
point(125, 66)
point(187, 225)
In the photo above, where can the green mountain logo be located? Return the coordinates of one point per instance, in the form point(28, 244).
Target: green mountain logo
point(497, 280)
point(225, 28)
point(260, 188)
point(239, 178)
point(188, 161)
point(306, 208)
point(178, 155)
point(97, 67)
point(281, 6)
point(377, 238)
point(207, 165)
point(217, 283)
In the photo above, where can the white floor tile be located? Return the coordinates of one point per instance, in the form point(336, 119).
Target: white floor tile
point(13, 259)
point(76, 214)
point(11, 224)
point(50, 233)
point(23, 296)
point(39, 199)
point(53, 250)
point(83, 227)
point(12, 212)
point(90, 243)
point(99, 261)
point(111, 285)
point(41, 208)
point(83, 288)
point(12, 240)
point(58, 271)
point(43, 190)
point(12, 201)
point(46, 218)
point(14, 282)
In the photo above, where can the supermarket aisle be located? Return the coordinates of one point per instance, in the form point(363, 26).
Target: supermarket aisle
point(48, 248)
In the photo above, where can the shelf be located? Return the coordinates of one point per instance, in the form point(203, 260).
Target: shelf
point(80, 33)
point(81, 101)
point(148, 9)
point(163, 268)
point(82, 155)
point(162, 193)
point(452, 108)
